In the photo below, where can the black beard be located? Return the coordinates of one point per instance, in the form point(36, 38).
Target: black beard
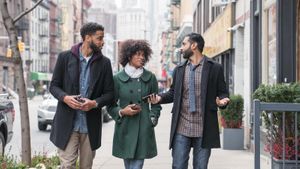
point(94, 47)
point(187, 54)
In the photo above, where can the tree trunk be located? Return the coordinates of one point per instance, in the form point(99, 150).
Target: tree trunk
point(21, 89)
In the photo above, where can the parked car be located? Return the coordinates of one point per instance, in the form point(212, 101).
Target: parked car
point(46, 112)
point(7, 118)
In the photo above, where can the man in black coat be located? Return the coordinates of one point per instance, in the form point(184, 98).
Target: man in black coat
point(82, 82)
point(197, 90)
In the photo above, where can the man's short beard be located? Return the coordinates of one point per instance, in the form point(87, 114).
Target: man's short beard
point(187, 54)
point(94, 47)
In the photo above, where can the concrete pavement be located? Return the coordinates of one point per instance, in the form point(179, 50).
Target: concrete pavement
point(220, 159)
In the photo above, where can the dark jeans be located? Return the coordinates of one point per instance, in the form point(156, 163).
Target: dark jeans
point(181, 150)
point(133, 164)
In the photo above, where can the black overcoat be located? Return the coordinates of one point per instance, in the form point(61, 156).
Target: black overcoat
point(65, 81)
point(212, 85)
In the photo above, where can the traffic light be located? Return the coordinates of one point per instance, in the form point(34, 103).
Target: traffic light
point(8, 52)
point(21, 46)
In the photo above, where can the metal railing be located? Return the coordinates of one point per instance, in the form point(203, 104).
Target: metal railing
point(270, 109)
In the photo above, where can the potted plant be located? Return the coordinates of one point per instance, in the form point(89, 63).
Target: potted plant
point(231, 119)
point(281, 93)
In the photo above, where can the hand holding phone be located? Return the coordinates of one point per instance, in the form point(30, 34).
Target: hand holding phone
point(79, 99)
point(131, 110)
point(145, 98)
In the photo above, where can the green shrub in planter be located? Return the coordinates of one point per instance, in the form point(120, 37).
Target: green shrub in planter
point(232, 115)
point(280, 93)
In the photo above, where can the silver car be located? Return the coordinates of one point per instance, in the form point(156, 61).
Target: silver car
point(46, 112)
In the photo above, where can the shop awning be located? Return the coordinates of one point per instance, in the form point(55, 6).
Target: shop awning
point(41, 76)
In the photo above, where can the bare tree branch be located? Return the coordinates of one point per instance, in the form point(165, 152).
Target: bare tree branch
point(26, 11)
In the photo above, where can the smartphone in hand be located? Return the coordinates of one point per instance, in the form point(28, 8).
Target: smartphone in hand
point(79, 99)
point(145, 98)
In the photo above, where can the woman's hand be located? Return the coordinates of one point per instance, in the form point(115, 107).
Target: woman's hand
point(131, 110)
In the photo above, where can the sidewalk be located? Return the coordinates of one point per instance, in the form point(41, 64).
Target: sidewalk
point(220, 159)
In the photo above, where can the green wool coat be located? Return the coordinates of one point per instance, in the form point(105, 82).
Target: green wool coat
point(134, 136)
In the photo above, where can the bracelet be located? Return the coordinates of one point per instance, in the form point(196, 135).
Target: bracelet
point(120, 114)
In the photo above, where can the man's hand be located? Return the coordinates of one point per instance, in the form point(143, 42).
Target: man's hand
point(72, 102)
point(130, 110)
point(88, 104)
point(222, 102)
point(154, 99)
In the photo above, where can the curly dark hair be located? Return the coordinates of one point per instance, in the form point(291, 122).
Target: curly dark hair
point(131, 47)
point(90, 28)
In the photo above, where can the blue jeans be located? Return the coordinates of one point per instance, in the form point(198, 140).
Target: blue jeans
point(181, 150)
point(133, 164)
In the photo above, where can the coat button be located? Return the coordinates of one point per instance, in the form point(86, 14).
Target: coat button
point(130, 102)
point(131, 91)
point(139, 90)
point(139, 101)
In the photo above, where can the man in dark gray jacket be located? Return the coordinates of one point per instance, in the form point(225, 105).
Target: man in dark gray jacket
point(197, 90)
point(82, 82)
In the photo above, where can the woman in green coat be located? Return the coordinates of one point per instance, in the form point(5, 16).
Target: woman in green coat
point(135, 119)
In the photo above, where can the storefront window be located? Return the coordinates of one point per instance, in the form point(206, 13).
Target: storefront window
point(272, 60)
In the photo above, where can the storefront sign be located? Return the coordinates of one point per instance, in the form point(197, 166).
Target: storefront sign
point(41, 76)
point(218, 36)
